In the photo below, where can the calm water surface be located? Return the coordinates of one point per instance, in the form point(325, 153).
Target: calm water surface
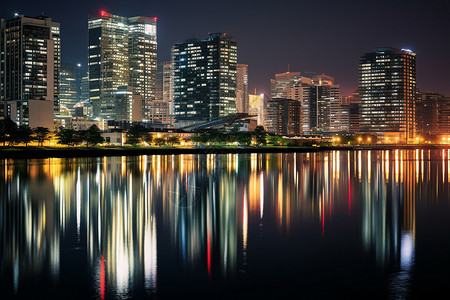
point(349, 224)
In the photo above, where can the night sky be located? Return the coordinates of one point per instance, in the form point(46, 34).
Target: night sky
point(314, 36)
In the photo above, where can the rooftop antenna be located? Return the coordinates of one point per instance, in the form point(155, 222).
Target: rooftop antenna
point(289, 68)
point(255, 91)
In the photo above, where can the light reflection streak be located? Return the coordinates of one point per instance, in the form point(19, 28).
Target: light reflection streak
point(201, 202)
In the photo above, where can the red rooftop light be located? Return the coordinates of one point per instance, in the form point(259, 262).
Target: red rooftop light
point(155, 19)
point(103, 13)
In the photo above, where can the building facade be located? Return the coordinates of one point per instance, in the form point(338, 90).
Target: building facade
point(432, 114)
point(387, 89)
point(30, 68)
point(162, 111)
point(122, 52)
point(70, 86)
point(283, 117)
point(204, 79)
point(256, 108)
point(242, 97)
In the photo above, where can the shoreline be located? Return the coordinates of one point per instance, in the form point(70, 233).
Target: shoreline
point(69, 152)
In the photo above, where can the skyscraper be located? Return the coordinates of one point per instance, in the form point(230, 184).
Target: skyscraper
point(242, 99)
point(122, 52)
point(70, 81)
point(387, 88)
point(323, 94)
point(162, 112)
point(204, 79)
point(30, 66)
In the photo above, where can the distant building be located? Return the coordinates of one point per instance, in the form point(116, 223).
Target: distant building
point(283, 117)
point(30, 68)
point(162, 110)
point(340, 115)
point(256, 108)
point(317, 106)
point(282, 85)
point(84, 88)
point(122, 105)
point(122, 52)
point(432, 114)
point(204, 79)
point(387, 88)
point(355, 117)
point(70, 86)
point(242, 97)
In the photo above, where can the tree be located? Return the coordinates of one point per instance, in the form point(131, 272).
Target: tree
point(7, 127)
point(159, 141)
point(136, 134)
point(276, 140)
point(68, 137)
point(260, 135)
point(173, 140)
point(24, 135)
point(93, 136)
point(243, 138)
point(41, 134)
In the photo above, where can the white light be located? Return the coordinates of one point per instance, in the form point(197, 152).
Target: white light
point(78, 65)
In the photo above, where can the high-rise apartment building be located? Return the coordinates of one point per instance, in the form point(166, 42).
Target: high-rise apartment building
point(242, 97)
point(387, 89)
point(204, 79)
point(122, 52)
point(30, 67)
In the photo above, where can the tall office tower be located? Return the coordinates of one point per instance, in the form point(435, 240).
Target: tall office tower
point(122, 52)
point(30, 66)
point(242, 98)
point(256, 108)
point(204, 79)
point(283, 117)
point(70, 80)
point(282, 85)
point(432, 114)
point(387, 88)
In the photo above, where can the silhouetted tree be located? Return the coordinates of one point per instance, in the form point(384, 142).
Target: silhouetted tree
point(41, 134)
point(260, 135)
point(173, 140)
point(7, 128)
point(136, 135)
point(68, 137)
point(92, 136)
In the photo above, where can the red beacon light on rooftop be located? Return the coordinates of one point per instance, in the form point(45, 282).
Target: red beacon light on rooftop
point(155, 19)
point(103, 13)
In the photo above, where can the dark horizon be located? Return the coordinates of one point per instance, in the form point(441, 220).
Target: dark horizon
point(327, 37)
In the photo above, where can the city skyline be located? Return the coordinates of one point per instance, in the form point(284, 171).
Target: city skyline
point(298, 35)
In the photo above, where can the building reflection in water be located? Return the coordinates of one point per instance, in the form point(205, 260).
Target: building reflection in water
point(136, 217)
